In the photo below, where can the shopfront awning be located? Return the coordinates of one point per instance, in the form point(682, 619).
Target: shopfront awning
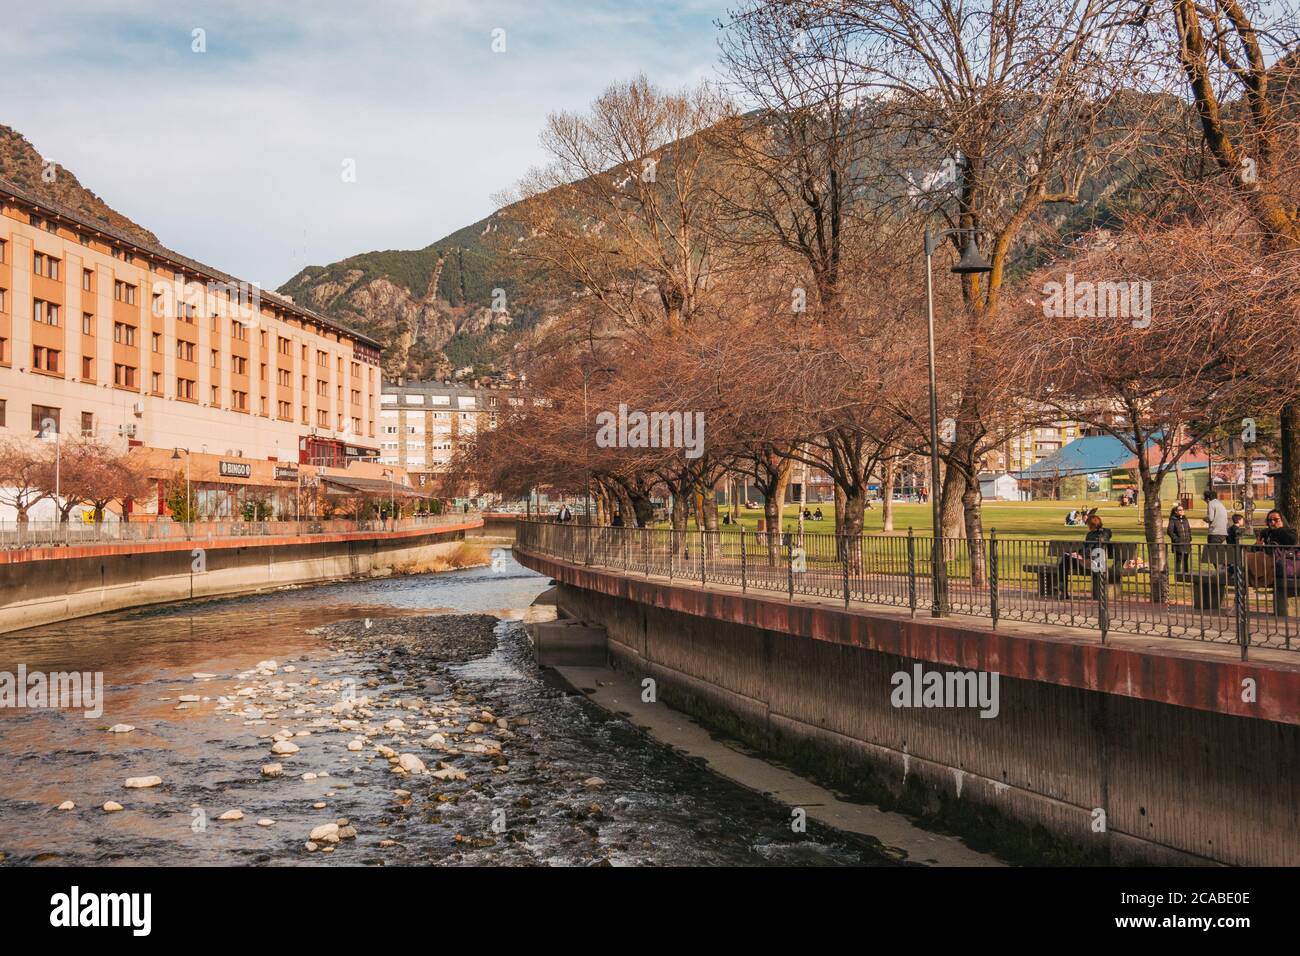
point(337, 484)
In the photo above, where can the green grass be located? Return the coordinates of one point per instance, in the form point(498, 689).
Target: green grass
point(1012, 519)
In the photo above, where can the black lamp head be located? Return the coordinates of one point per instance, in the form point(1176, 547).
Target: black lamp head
point(971, 261)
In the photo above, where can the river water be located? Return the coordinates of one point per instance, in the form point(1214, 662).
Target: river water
point(569, 785)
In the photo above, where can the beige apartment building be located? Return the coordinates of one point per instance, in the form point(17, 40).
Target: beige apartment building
point(102, 335)
point(422, 425)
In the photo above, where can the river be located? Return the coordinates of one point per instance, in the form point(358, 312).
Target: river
point(559, 782)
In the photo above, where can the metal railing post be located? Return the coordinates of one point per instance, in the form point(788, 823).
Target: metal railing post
point(911, 571)
point(703, 556)
point(993, 576)
point(743, 569)
point(1241, 599)
point(789, 565)
point(672, 551)
point(845, 568)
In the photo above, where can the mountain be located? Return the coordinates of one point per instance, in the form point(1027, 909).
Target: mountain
point(23, 166)
point(446, 307)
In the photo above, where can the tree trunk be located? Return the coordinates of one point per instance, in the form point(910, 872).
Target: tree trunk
point(1288, 482)
point(773, 509)
point(888, 480)
point(953, 514)
point(1152, 522)
point(974, 532)
point(855, 505)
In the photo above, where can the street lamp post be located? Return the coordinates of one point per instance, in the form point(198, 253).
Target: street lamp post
point(971, 263)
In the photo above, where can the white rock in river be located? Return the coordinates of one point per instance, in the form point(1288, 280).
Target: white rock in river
point(309, 776)
point(437, 740)
point(120, 729)
point(355, 745)
point(324, 832)
point(67, 805)
point(411, 763)
point(475, 727)
point(394, 724)
point(139, 783)
point(266, 822)
point(593, 782)
point(200, 675)
point(284, 747)
point(272, 770)
point(112, 807)
point(189, 698)
point(232, 815)
point(450, 773)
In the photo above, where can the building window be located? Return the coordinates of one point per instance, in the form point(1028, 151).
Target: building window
point(43, 265)
point(87, 423)
point(284, 378)
point(214, 360)
point(2, 401)
point(124, 376)
point(4, 298)
point(45, 420)
point(4, 350)
point(214, 395)
point(305, 419)
point(124, 334)
point(155, 383)
point(46, 312)
point(283, 409)
point(283, 346)
point(87, 324)
point(185, 350)
point(124, 292)
point(240, 400)
point(87, 280)
point(155, 342)
point(4, 250)
point(87, 368)
point(239, 365)
point(185, 388)
point(47, 360)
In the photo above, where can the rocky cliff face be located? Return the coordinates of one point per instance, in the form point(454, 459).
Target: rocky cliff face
point(439, 310)
point(23, 166)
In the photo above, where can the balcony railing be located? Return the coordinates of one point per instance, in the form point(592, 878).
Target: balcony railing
point(54, 534)
point(1220, 593)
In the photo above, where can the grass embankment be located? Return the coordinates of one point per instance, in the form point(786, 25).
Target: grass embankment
point(466, 554)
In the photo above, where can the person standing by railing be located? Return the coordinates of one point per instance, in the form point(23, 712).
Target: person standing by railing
point(1179, 531)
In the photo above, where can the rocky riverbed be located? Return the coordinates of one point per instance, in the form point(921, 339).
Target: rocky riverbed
point(384, 738)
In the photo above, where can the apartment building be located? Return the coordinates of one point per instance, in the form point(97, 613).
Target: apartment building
point(103, 335)
point(423, 424)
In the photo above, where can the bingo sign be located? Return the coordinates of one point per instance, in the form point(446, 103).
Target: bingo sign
point(236, 469)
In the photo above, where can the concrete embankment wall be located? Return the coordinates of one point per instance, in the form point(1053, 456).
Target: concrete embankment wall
point(1177, 784)
point(61, 584)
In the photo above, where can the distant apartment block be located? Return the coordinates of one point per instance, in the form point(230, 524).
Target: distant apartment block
point(423, 424)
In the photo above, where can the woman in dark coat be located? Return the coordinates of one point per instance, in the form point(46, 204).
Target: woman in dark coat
point(1180, 534)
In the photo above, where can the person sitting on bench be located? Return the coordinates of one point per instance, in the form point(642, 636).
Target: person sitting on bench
point(1072, 562)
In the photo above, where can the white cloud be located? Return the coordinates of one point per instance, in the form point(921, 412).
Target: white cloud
point(233, 156)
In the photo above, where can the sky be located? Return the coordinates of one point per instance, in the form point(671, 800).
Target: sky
point(238, 155)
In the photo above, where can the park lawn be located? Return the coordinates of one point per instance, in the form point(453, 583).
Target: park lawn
point(1011, 519)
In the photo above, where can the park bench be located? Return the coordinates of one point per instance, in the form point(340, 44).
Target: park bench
point(1210, 580)
point(1051, 583)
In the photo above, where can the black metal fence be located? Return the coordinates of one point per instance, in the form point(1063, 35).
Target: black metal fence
point(1230, 594)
